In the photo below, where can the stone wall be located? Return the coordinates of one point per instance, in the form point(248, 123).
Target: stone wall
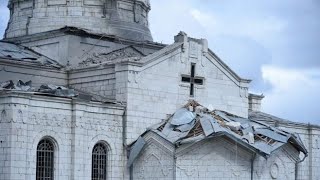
point(156, 89)
point(126, 19)
point(156, 160)
point(74, 127)
point(100, 81)
point(27, 72)
point(68, 49)
point(215, 158)
point(310, 135)
point(280, 165)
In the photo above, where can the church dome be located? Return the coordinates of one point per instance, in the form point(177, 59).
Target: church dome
point(126, 19)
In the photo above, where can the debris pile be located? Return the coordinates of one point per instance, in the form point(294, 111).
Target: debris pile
point(53, 90)
point(193, 123)
point(128, 53)
point(21, 86)
point(57, 90)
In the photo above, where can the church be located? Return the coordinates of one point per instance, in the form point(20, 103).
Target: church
point(86, 94)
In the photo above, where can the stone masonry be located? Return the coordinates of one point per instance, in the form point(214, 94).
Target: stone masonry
point(139, 83)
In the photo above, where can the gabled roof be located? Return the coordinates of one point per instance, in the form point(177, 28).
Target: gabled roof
point(20, 54)
point(193, 123)
point(265, 117)
point(227, 68)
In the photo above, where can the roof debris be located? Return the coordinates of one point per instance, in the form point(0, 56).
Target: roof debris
point(126, 53)
point(194, 122)
point(23, 54)
point(22, 86)
point(53, 90)
point(57, 90)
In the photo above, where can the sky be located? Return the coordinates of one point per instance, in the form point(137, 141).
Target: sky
point(274, 43)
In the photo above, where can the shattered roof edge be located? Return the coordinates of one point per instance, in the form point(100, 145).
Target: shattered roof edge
point(17, 93)
point(54, 62)
point(282, 121)
point(83, 32)
point(90, 67)
point(34, 65)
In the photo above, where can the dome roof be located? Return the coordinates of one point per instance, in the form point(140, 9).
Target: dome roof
point(122, 18)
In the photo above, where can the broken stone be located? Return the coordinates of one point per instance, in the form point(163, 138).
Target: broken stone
point(24, 86)
point(7, 85)
point(235, 126)
point(57, 90)
point(249, 137)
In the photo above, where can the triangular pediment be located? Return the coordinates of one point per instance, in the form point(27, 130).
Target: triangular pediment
point(190, 50)
point(112, 57)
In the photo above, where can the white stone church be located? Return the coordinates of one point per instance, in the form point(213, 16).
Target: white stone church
point(85, 94)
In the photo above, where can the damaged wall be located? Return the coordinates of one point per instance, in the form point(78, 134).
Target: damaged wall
point(280, 165)
point(39, 75)
point(214, 158)
point(156, 89)
point(310, 136)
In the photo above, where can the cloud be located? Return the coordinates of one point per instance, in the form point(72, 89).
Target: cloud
point(4, 16)
point(206, 20)
point(295, 93)
point(260, 29)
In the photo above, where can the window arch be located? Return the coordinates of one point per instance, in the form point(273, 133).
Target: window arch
point(45, 160)
point(99, 162)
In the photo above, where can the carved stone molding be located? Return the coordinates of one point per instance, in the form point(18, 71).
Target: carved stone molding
point(316, 144)
point(193, 49)
point(274, 170)
point(155, 159)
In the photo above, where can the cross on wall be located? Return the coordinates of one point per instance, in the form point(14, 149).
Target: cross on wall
point(192, 79)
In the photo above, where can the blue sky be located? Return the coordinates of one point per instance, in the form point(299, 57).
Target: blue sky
point(274, 43)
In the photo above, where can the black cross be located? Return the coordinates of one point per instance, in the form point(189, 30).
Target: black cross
point(192, 79)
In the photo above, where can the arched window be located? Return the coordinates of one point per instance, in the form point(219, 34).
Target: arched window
point(99, 162)
point(45, 160)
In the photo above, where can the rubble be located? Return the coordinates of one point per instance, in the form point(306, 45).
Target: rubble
point(47, 88)
point(53, 90)
point(20, 86)
point(57, 90)
point(194, 122)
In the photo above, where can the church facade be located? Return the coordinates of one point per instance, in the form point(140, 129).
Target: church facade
point(85, 93)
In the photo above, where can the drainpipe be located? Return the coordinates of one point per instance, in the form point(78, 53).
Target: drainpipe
point(124, 127)
point(297, 166)
point(310, 151)
point(174, 164)
point(124, 144)
point(252, 166)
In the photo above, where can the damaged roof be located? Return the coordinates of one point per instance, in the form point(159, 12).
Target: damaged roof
point(18, 53)
point(113, 56)
point(193, 123)
point(51, 90)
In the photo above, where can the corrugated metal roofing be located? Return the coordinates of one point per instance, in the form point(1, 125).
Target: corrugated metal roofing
point(194, 122)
